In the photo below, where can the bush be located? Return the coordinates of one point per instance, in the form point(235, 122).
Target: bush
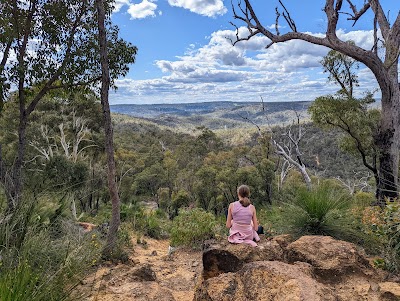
point(364, 199)
point(191, 227)
point(321, 211)
point(36, 264)
point(271, 219)
point(384, 224)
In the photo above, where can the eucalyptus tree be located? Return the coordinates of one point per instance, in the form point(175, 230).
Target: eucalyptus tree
point(109, 145)
point(352, 116)
point(383, 64)
point(48, 45)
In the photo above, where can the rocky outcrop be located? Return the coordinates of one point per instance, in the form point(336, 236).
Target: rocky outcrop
point(310, 268)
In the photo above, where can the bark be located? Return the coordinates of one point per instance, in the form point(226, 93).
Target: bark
point(385, 72)
point(112, 184)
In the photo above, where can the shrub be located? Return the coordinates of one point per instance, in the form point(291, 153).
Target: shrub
point(36, 264)
point(364, 199)
point(321, 211)
point(271, 219)
point(384, 224)
point(192, 227)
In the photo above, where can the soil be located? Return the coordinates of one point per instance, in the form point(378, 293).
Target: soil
point(153, 272)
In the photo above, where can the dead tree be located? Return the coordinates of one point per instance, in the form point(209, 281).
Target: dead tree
point(357, 183)
point(288, 149)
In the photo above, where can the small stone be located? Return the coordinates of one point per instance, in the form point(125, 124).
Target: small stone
point(195, 264)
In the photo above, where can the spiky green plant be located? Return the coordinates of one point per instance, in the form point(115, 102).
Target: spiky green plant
point(38, 264)
point(320, 211)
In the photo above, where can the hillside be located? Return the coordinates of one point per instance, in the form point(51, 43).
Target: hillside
point(216, 115)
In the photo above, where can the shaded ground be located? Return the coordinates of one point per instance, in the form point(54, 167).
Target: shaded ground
point(151, 274)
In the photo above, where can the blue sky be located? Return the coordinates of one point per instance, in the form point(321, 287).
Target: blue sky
point(184, 54)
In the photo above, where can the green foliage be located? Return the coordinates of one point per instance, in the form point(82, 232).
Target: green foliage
point(350, 115)
point(321, 211)
point(341, 69)
point(180, 199)
point(384, 223)
point(19, 284)
point(151, 223)
point(164, 201)
point(363, 199)
point(191, 227)
point(29, 271)
point(64, 174)
point(272, 219)
point(54, 23)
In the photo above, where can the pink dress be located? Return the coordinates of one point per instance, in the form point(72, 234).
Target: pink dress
point(242, 230)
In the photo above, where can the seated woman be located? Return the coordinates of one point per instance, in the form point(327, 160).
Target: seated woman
point(242, 219)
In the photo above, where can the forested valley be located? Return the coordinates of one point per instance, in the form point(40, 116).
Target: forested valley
point(169, 179)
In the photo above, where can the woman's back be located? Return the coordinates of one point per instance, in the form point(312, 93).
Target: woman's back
point(242, 214)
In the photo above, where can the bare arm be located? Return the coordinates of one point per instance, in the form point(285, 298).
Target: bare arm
point(255, 221)
point(229, 217)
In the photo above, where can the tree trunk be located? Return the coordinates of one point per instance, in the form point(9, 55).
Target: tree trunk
point(388, 138)
point(112, 185)
point(15, 186)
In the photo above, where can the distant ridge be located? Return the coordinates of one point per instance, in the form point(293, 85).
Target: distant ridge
point(206, 108)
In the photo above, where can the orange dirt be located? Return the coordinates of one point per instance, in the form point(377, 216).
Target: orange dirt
point(176, 275)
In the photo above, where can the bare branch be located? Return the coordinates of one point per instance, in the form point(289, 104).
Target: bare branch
point(357, 14)
point(252, 122)
point(277, 21)
point(288, 18)
point(375, 47)
point(263, 105)
point(383, 22)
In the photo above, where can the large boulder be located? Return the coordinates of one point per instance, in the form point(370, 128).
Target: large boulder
point(330, 258)
point(311, 268)
point(265, 280)
point(223, 257)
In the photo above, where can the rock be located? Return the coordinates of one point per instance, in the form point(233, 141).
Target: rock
point(390, 290)
point(194, 264)
point(311, 268)
point(265, 280)
point(331, 258)
point(223, 257)
point(144, 273)
point(87, 227)
point(163, 295)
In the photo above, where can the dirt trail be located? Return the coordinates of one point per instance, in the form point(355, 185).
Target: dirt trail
point(151, 274)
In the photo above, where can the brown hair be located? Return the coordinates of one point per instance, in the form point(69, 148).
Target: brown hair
point(244, 192)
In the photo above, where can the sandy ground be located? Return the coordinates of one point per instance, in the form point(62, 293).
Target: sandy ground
point(151, 274)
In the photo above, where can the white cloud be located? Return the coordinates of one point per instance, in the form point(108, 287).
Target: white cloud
point(142, 10)
point(119, 4)
point(209, 8)
point(289, 71)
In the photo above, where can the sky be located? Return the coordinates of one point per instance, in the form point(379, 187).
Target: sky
point(185, 54)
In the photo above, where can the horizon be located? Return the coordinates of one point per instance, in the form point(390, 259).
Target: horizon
point(200, 102)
